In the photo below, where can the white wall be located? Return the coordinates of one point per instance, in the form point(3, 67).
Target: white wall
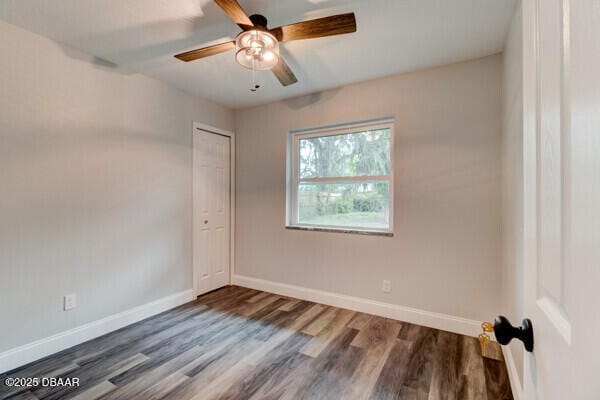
point(95, 181)
point(445, 254)
point(512, 181)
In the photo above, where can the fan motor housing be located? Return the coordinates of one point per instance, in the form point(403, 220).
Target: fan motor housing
point(259, 21)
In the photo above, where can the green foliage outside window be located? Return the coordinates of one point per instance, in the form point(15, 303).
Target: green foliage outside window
point(345, 203)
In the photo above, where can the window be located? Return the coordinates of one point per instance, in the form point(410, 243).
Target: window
point(341, 177)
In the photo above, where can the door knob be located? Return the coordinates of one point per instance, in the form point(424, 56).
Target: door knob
point(205, 221)
point(505, 332)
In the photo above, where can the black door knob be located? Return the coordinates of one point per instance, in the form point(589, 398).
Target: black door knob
point(505, 332)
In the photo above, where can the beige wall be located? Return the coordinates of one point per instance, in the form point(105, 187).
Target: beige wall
point(445, 254)
point(95, 171)
point(95, 181)
point(512, 181)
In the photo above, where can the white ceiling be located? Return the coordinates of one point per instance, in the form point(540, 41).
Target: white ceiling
point(143, 35)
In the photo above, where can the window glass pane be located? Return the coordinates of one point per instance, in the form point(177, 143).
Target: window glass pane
point(347, 204)
point(352, 154)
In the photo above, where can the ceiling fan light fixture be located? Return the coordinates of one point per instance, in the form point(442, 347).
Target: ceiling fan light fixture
point(256, 50)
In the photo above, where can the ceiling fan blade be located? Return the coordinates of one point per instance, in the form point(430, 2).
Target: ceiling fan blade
point(237, 14)
point(315, 28)
point(283, 73)
point(206, 51)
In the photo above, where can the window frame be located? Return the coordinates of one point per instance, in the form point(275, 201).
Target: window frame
point(293, 173)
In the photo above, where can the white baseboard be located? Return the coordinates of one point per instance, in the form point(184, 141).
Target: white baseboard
point(440, 321)
point(41, 348)
point(513, 375)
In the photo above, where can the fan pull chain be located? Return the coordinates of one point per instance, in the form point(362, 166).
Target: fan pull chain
point(256, 81)
point(255, 85)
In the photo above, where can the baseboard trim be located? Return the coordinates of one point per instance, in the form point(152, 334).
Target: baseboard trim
point(444, 322)
point(33, 351)
point(513, 375)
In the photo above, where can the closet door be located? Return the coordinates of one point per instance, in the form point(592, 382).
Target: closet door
point(212, 197)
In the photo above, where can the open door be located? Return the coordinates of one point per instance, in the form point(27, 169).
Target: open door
point(562, 197)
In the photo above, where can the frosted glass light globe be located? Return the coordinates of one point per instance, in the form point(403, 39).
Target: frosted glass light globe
point(256, 50)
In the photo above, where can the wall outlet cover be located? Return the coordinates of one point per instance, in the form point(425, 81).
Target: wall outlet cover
point(70, 301)
point(386, 286)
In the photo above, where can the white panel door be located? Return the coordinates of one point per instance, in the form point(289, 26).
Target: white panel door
point(562, 197)
point(211, 183)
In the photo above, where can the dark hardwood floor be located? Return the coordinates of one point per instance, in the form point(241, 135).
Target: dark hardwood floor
point(238, 343)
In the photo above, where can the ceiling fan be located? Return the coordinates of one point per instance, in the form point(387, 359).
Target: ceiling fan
point(257, 47)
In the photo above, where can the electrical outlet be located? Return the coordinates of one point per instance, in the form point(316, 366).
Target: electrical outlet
point(70, 301)
point(386, 286)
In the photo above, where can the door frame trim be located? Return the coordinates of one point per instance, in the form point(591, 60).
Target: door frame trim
point(217, 131)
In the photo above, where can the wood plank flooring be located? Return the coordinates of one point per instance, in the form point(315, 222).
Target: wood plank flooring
point(238, 343)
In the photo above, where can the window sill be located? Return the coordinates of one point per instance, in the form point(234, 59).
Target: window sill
point(339, 230)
